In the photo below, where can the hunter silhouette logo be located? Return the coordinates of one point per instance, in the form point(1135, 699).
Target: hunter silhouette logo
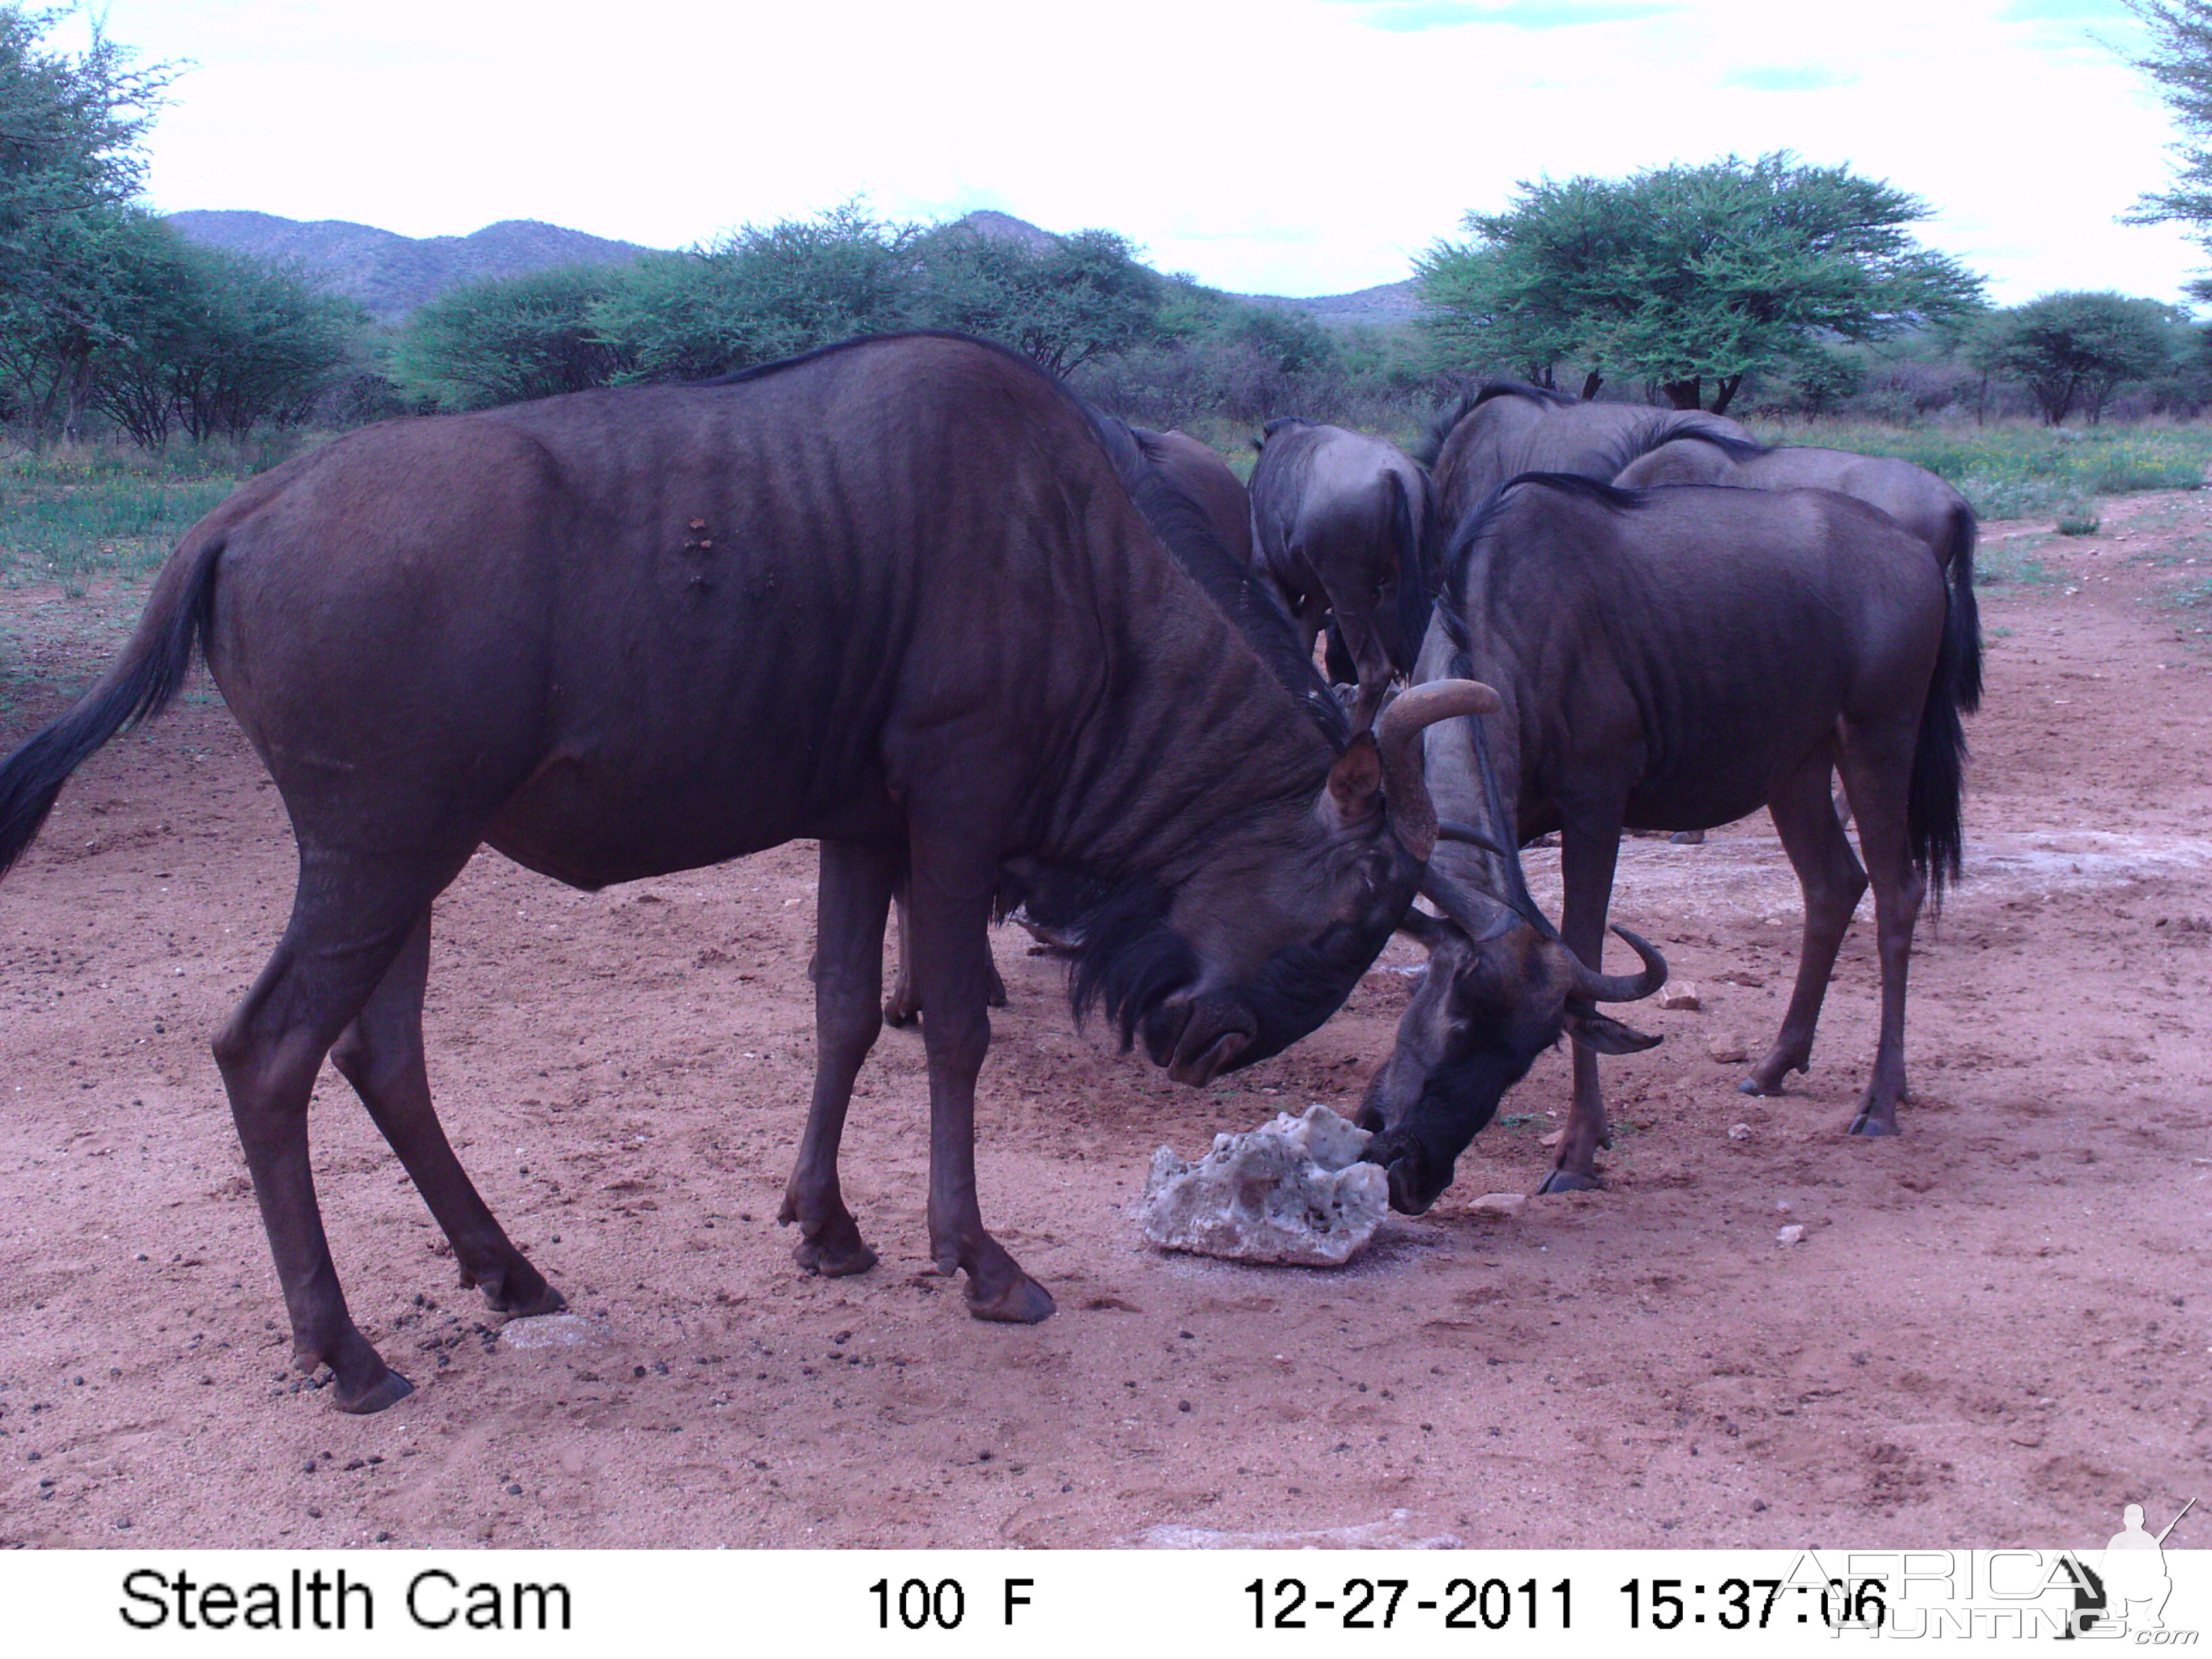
point(2127, 1591)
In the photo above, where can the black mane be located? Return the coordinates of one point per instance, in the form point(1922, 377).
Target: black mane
point(1479, 523)
point(1129, 958)
point(1549, 397)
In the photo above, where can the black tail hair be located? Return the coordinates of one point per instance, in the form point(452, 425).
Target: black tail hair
point(1932, 826)
point(138, 685)
point(1965, 619)
point(1415, 601)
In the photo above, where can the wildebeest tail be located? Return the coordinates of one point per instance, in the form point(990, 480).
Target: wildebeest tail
point(138, 685)
point(1414, 600)
point(1939, 771)
point(1966, 622)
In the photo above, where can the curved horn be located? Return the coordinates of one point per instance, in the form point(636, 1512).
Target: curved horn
point(1623, 987)
point(1459, 907)
point(1451, 830)
point(1397, 733)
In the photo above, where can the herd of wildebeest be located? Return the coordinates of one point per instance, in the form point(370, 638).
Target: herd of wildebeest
point(997, 652)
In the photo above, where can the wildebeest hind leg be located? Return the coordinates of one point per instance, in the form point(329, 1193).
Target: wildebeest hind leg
point(854, 893)
point(952, 892)
point(1877, 770)
point(1831, 883)
point(351, 918)
point(903, 1005)
point(380, 1054)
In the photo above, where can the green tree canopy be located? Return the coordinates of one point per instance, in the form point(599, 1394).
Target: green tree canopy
point(2180, 64)
point(509, 340)
point(1060, 304)
point(758, 294)
point(1681, 276)
point(70, 168)
point(2074, 350)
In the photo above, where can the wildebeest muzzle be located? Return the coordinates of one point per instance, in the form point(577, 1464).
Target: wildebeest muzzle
point(1198, 1037)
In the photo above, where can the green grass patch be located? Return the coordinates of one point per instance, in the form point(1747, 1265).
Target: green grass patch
point(2012, 563)
point(71, 519)
point(2027, 471)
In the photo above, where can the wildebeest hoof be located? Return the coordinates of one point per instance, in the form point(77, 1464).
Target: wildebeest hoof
point(1688, 838)
point(1874, 1123)
point(900, 1011)
point(1752, 1085)
point(834, 1256)
point(388, 1389)
point(522, 1292)
point(1569, 1181)
point(1022, 1301)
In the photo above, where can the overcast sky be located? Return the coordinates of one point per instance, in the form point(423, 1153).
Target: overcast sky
point(1287, 147)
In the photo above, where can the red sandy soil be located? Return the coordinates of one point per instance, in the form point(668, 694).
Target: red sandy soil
point(1995, 1332)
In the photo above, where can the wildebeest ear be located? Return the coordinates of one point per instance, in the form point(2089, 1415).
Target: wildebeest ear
point(1603, 1035)
point(1355, 782)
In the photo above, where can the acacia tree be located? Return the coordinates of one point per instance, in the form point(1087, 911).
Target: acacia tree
point(70, 168)
point(760, 293)
point(1684, 276)
point(508, 341)
point(2180, 64)
point(1060, 304)
point(2076, 350)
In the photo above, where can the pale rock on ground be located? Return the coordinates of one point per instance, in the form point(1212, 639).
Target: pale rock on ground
point(1292, 1191)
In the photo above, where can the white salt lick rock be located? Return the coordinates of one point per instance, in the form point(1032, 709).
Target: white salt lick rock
point(1292, 1191)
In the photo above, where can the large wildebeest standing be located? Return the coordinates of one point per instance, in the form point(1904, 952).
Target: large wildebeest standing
point(1506, 427)
point(895, 595)
point(1339, 520)
point(1672, 659)
point(1200, 479)
point(1924, 503)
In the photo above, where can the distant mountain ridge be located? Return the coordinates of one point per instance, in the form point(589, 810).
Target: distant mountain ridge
point(391, 275)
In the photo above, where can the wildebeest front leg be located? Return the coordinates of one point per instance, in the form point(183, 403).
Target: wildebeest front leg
point(952, 892)
point(380, 1054)
point(853, 893)
point(1589, 849)
point(1831, 881)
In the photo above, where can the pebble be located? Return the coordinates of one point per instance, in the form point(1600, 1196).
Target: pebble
point(1728, 1050)
point(1683, 996)
point(1794, 1233)
point(1499, 1204)
point(1739, 1132)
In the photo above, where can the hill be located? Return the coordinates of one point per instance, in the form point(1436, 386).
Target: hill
point(391, 274)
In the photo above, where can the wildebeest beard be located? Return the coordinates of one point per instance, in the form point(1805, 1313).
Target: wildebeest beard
point(1130, 960)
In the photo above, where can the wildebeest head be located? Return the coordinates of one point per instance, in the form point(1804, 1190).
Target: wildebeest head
point(1502, 987)
point(1265, 937)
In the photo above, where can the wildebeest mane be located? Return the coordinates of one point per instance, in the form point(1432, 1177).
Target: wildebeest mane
point(1736, 448)
point(1478, 523)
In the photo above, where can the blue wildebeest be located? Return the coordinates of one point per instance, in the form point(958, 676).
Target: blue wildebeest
point(1928, 506)
point(1339, 520)
point(1505, 427)
point(898, 595)
point(1666, 660)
